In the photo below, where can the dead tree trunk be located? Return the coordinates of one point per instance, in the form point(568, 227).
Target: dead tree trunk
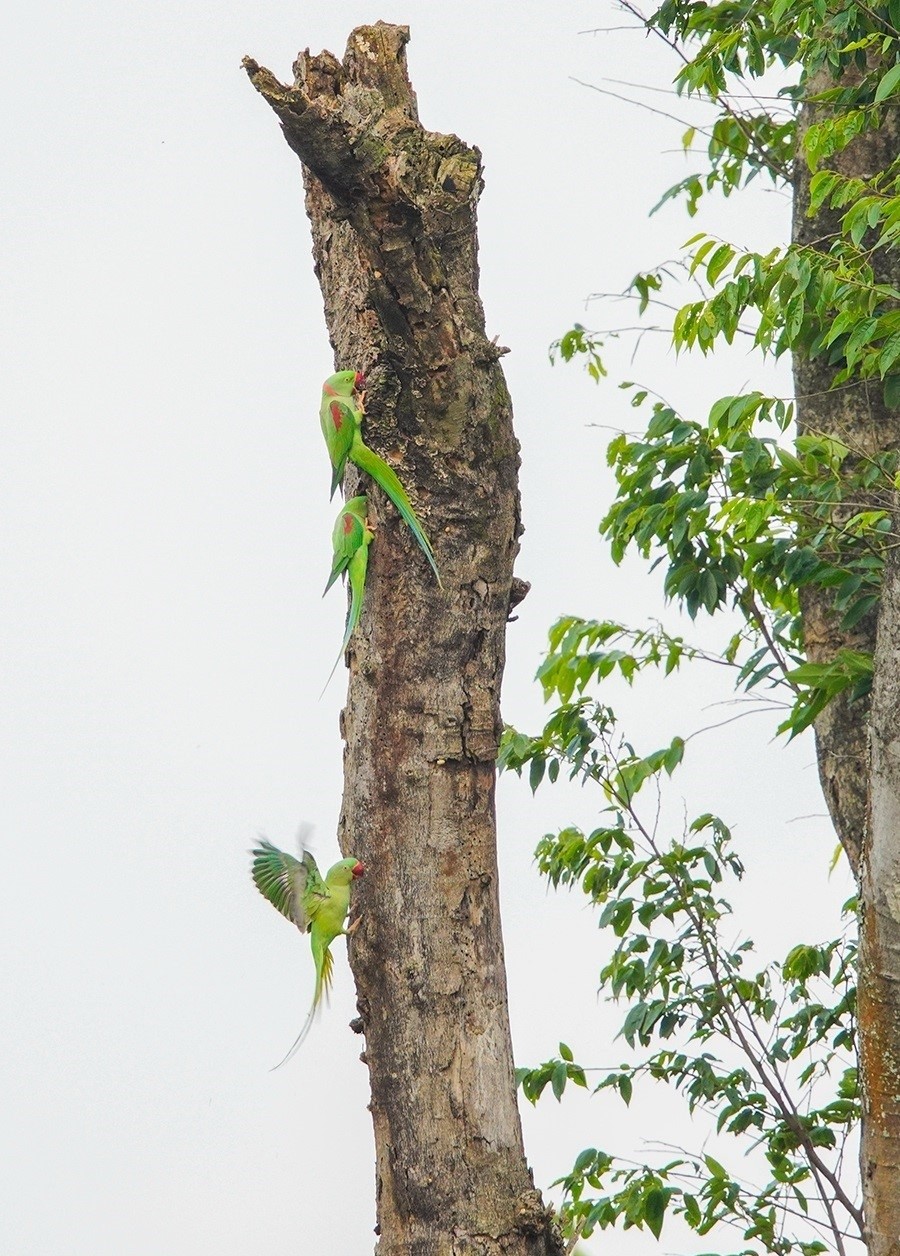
point(857, 742)
point(392, 208)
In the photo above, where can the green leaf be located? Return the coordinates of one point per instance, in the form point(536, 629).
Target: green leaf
point(558, 1079)
point(717, 263)
point(888, 84)
point(692, 1212)
point(536, 772)
point(717, 1170)
point(655, 1210)
point(674, 755)
point(585, 1158)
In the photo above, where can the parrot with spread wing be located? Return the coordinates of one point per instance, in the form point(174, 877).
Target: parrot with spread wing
point(341, 416)
point(351, 539)
point(316, 907)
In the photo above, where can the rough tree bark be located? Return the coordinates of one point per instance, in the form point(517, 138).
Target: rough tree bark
point(392, 208)
point(879, 960)
point(857, 742)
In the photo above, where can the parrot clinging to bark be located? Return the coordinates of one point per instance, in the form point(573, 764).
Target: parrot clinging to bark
point(351, 538)
point(341, 418)
point(317, 907)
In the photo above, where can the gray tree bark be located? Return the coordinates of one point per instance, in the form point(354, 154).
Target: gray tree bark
point(392, 208)
point(857, 742)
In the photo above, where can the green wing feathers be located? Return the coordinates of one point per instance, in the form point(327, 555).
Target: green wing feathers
point(294, 886)
point(357, 573)
point(281, 879)
point(340, 566)
point(340, 420)
point(350, 542)
point(315, 891)
point(383, 475)
point(350, 531)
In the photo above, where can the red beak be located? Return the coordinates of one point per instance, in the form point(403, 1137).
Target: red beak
point(358, 869)
point(360, 382)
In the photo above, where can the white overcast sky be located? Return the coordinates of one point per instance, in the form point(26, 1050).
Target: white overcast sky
point(166, 524)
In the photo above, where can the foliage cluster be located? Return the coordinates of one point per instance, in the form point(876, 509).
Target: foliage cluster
point(736, 516)
point(743, 512)
point(769, 1051)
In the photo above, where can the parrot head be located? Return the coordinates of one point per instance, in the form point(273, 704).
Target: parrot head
point(343, 384)
point(358, 506)
point(345, 871)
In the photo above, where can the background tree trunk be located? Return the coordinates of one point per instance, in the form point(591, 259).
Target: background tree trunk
point(855, 414)
point(879, 958)
point(392, 208)
point(857, 742)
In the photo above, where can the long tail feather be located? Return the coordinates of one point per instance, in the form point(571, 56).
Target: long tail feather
point(367, 460)
point(347, 635)
point(298, 1041)
point(333, 670)
point(323, 985)
point(357, 588)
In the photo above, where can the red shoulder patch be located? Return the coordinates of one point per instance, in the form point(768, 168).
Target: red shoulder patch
point(349, 522)
point(337, 415)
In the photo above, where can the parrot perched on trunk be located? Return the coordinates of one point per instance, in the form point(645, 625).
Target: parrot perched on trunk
point(315, 906)
point(341, 417)
point(351, 538)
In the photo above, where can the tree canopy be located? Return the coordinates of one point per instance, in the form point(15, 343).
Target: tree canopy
point(783, 510)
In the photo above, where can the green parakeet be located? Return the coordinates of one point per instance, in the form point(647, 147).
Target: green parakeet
point(341, 417)
point(315, 906)
point(350, 539)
